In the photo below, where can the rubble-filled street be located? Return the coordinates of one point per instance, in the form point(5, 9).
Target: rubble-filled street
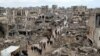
point(45, 31)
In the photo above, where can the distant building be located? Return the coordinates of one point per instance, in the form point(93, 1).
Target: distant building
point(54, 7)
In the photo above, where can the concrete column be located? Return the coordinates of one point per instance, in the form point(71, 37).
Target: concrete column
point(7, 23)
point(26, 13)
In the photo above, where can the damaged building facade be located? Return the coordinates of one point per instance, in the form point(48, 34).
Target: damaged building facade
point(55, 31)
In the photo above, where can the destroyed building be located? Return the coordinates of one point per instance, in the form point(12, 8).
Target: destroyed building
point(56, 31)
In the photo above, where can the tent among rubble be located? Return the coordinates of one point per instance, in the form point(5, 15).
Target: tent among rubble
point(9, 50)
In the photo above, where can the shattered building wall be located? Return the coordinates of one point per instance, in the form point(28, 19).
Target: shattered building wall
point(3, 22)
point(20, 21)
point(78, 17)
point(97, 29)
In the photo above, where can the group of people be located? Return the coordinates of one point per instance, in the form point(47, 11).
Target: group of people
point(42, 45)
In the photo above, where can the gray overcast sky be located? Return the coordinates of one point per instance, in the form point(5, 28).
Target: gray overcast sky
point(65, 3)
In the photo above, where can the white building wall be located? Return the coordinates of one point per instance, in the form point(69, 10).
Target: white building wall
point(97, 37)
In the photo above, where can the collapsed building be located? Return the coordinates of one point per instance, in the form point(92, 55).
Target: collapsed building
point(72, 31)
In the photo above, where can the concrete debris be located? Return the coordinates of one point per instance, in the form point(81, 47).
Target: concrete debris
point(88, 49)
